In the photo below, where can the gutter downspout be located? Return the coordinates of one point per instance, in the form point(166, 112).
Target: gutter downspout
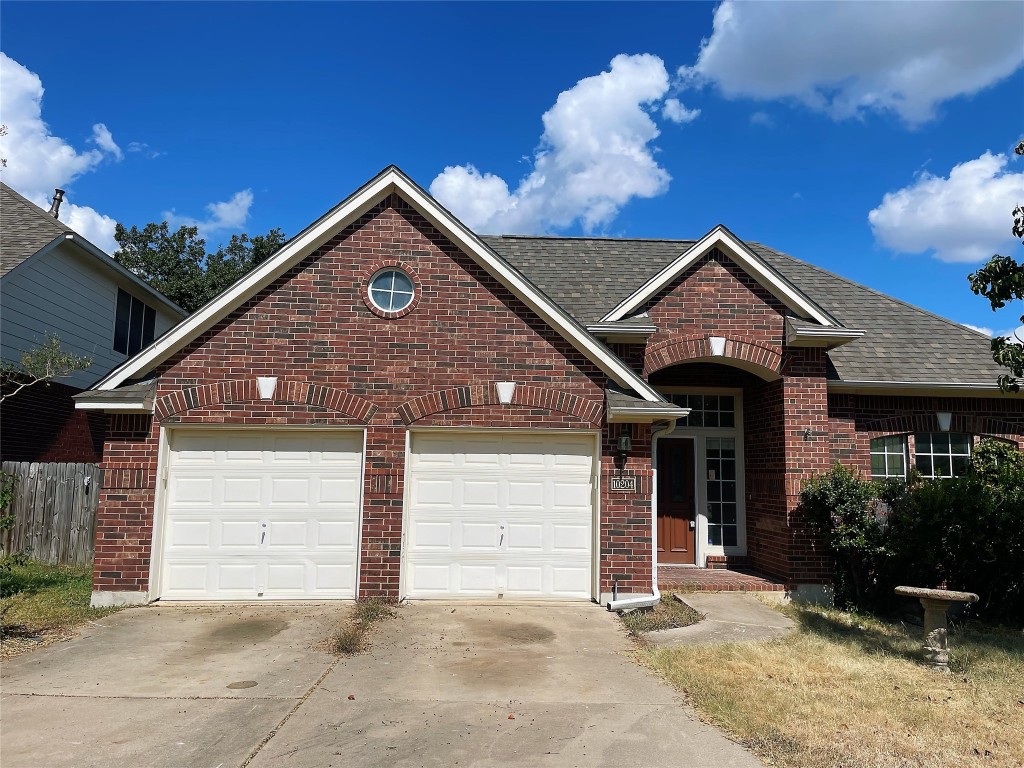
point(647, 601)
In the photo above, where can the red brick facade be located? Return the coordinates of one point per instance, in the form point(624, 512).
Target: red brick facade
point(342, 362)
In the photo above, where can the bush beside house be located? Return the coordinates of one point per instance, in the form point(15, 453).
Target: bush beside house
point(964, 533)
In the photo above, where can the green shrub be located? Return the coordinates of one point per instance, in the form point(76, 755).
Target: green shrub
point(843, 507)
point(965, 533)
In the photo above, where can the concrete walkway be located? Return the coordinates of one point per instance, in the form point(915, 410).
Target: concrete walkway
point(454, 684)
point(729, 617)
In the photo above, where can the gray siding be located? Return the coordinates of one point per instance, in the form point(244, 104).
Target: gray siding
point(68, 292)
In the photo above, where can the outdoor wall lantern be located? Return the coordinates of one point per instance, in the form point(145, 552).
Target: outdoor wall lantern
point(505, 391)
point(945, 419)
point(625, 445)
point(266, 385)
point(717, 345)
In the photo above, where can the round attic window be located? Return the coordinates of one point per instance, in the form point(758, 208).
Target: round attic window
point(391, 290)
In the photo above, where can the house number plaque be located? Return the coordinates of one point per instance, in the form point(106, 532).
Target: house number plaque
point(626, 483)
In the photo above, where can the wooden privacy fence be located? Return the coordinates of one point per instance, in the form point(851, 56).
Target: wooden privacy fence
point(55, 511)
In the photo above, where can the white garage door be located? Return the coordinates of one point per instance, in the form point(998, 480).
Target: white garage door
point(500, 514)
point(260, 514)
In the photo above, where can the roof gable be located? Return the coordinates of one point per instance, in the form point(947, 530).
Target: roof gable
point(720, 237)
point(390, 181)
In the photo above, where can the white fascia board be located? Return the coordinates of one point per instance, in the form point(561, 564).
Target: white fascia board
point(391, 180)
point(645, 415)
point(746, 258)
point(616, 329)
point(821, 336)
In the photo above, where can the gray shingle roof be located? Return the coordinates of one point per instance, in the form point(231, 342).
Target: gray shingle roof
point(590, 276)
point(25, 228)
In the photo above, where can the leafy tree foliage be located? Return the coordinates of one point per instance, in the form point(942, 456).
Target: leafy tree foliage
point(178, 265)
point(1002, 280)
point(46, 362)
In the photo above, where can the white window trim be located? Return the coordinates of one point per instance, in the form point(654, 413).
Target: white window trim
point(905, 441)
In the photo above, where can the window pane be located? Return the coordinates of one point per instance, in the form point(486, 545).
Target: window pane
point(877, 465)
point(710, 402)
point(895, 466)
point(710, 419)
point(148, 326)
point(121, 321)
point(960, 465)
point(402, 282)
point(729, 536)
point(726, 403)
point(727, 420)
point(714, 535)
point(135, 327)
point(714, 513)
point(729, 514)
point(382, 298)
point(923, 443)
point(961, 444)
point(924, 464)
point(943, 466)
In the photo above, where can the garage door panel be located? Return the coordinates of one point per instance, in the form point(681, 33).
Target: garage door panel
point(261, 514)
point(499, 514)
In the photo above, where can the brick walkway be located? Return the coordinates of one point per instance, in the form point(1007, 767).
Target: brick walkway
point(715, 580)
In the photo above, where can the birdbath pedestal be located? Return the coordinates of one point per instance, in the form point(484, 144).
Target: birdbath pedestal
point(936, 602)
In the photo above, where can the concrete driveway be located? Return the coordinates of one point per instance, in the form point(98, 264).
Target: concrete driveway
point(445, 684)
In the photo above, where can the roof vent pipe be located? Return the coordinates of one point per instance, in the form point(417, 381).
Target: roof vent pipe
point(58, 197)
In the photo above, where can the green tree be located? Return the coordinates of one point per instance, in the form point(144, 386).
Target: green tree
point(46, 362)
point(1002, 280)
point(177, 263)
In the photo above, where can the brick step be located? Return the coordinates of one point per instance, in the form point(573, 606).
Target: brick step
point(719, 579)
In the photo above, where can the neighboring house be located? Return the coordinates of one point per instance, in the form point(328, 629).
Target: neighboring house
point(393, 405)
point(54, 281)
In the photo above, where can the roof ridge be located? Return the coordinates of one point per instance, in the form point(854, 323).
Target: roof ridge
point(871, 290)
point(590, 237)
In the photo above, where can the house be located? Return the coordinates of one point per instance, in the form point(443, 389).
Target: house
point(393, 405)
point(54, 281)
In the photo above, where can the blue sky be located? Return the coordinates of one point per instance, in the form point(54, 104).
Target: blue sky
point(809, 116)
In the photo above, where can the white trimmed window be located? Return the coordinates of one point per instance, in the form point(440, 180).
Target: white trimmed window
point(889, 456)
point(942, 454)
point(391, 290)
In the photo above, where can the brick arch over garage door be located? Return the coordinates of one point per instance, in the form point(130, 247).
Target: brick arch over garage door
point(244, 390)
point(746, 354)
point(485, 394)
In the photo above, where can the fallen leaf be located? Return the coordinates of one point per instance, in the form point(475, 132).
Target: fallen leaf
point(351, 697)
point(511, 717)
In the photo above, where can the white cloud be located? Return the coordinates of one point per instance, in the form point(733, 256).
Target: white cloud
point(594, 157)
point(677, 113)
point(143, 148)
point(103, 139)
point(762, 118)
point(845, 58)
point(965, 217)
point(226, 215)
point(982, 329)
point(94, 226)
point(38, 161)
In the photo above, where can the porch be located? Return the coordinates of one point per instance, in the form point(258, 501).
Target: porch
point(687, 578)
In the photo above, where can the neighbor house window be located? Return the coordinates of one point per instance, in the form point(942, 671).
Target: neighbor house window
point(942, 454)
point(391, 290)
point(134, 323)
point(707, 410)
point(889, 456)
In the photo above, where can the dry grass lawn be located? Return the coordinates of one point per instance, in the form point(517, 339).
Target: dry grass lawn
point(41, 604)
point(846, 691)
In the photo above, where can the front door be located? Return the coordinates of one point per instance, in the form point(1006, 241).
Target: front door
point(677, 522)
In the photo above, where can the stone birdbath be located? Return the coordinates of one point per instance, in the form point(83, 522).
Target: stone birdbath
point(936, 602)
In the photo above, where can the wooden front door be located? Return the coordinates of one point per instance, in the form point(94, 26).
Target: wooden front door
point(677, 521)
